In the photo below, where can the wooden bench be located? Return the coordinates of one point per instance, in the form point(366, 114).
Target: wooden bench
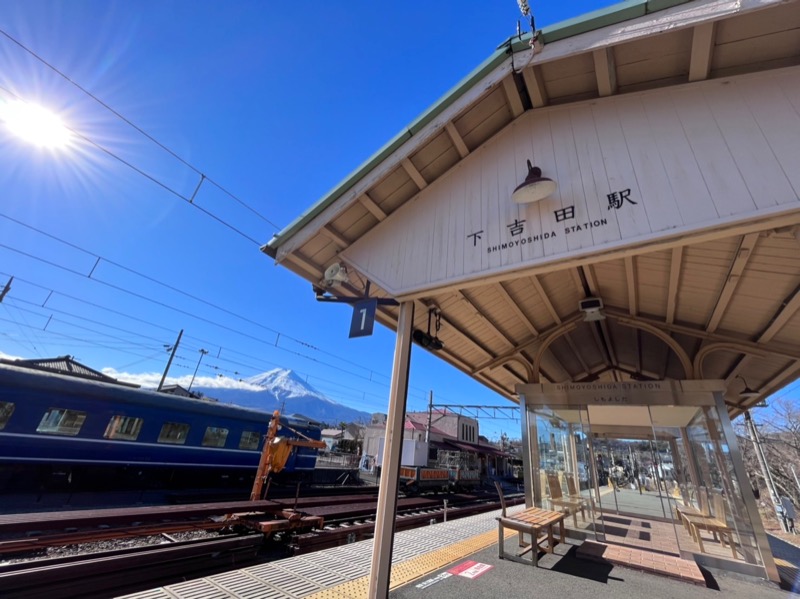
point(572, 489)
point(569, 505)
point(690, 510)
point(535, 522)
point(716, 523)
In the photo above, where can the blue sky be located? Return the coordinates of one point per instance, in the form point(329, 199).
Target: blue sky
point(272, 102)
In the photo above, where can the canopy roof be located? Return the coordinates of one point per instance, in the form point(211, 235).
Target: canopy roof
point(720, 303)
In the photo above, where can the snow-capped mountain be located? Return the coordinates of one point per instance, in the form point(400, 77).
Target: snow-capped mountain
point(286, 384)
point(284, 390)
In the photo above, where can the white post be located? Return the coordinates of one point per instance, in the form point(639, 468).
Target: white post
point(380, 569)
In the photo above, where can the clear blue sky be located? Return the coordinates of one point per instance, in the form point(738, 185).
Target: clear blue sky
point(276, 102)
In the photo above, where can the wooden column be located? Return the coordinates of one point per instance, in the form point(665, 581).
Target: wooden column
point(390, 467)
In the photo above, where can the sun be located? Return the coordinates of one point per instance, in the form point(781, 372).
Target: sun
point(35, 124)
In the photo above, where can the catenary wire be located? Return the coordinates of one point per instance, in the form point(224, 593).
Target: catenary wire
point(180, 291)
point(204, 177)
point(201, 342)
point(148, 176)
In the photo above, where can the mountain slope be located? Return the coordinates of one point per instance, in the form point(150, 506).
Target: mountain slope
point(284, 390)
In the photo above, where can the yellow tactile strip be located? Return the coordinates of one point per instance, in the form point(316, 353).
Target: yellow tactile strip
point(407, 571)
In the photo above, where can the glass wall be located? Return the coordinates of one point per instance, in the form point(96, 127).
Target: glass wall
point(658, 476)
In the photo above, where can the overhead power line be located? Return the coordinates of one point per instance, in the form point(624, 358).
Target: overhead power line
point(98, 258)
point(203, 176)
point(150, 177)
point(200, 342)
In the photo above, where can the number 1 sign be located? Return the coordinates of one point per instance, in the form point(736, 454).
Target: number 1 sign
point(363, 318)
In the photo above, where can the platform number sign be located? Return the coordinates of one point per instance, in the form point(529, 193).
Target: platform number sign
point(363, 318)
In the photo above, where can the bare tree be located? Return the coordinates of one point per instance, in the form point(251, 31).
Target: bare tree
point(779, 435)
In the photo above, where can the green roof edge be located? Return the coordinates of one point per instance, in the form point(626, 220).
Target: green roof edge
point(616, 13)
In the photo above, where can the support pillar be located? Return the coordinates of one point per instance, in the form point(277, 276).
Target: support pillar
point(380, 570)
point(530, 456)
point(762, 542)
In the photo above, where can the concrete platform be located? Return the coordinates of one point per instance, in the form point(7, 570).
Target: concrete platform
point(460, 559)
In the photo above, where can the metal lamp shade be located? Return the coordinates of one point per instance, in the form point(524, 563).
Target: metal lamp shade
point(534, 188)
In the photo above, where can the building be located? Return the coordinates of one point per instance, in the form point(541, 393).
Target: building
point(604, 218)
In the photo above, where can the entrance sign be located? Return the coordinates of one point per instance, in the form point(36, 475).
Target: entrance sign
point(363, 320)
point(664, 393)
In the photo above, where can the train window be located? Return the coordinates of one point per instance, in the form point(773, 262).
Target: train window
point(173, 432)
point(215, 437)
point(6, 409)
point(249, 440)
point(125, 428)
point(58, 421)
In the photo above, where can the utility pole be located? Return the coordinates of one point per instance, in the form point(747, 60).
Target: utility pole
point(430, 415)
point(169, 362)
point(762, 461)
point(5, 289)
point(203, 352)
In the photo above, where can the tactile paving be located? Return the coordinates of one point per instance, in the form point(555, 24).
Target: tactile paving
point(343, 572)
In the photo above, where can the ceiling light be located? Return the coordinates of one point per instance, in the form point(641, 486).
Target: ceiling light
point(747, 392)
point(534, 188)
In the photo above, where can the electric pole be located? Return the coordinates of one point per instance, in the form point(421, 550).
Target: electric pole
point(169, 362)
point(762, 461)
point(203, 352)
point(430, 414)
point(5, 289)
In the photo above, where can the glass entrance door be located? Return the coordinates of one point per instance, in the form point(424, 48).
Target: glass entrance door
point(633, 476)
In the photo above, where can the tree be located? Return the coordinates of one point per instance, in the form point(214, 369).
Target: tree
point(779, 434)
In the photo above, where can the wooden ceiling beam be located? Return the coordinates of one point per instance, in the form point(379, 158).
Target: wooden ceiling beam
point(779, 350)
point(331, 233)
point(674, 282)
point(557, 319)
point(307, 265)
point(457, 140)
point(743, 253)
point(525, 345)
point(493, 328)
point(703, 38)
point(545, 299)
point(605, 71)
point(370, 205)
point(591, 280)
point(501, 291)
point(452, 328)
point(415, 175)
point(788, 308)
point(534, 82)
point(630, 277)
point(512, 95)
point(571, 342)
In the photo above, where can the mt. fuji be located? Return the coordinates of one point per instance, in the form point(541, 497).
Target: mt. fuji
point(283, 389)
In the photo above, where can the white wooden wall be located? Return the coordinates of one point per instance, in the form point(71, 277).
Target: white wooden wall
point(692, 156)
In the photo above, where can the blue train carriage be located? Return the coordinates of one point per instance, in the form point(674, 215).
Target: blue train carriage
point(52, 425)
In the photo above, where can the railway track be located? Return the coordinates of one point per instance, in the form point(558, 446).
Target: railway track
point(264, 530)
point(119, 572)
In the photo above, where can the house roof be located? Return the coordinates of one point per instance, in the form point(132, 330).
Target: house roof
point(66, 365)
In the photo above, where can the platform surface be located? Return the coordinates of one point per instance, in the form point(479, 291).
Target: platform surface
point(460, 559)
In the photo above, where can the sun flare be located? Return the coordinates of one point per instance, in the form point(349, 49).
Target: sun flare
point(35, 124)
